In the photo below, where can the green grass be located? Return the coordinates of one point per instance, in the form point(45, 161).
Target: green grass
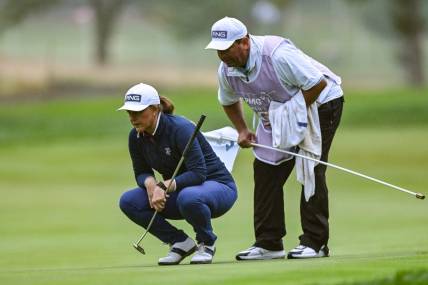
point(64, 164)
point(88, 117)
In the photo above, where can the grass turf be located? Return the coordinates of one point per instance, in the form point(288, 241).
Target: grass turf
point(59, 186)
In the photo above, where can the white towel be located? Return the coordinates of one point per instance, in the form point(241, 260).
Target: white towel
point(224, 143)
point(294, 124)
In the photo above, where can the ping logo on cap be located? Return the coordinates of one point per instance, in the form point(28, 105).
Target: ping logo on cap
point(133, 98)
point(219, 34)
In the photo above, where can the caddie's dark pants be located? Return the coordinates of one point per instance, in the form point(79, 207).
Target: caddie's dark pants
point(269, 223)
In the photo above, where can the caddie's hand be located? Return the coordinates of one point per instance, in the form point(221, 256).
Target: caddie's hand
point(245, 138)
point(159, 199)
point(173, 186)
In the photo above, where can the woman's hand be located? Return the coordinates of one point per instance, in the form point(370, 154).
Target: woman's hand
point(158, 199)
point(173, 185)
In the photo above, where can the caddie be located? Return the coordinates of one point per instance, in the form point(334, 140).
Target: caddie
point(260, 70)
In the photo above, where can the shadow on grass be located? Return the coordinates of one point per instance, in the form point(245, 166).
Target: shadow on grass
point(414, 277)
point(393, 255)
point(100, 268)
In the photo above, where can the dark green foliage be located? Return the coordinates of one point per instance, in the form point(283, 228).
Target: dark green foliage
point(12, 12)
point(405, 22)
point(193, 18)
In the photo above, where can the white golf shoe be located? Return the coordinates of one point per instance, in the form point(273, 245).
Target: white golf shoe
point(302, 251)
point(203, 255)
point(258, 253)
point(178, 251)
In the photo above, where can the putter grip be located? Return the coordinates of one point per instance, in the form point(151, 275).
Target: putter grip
point(195, 132)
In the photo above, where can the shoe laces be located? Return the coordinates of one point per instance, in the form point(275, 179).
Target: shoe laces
point(205, 250)
point(258, 250)
point(201, 248)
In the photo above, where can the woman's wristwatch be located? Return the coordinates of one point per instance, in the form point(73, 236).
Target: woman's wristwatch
point(161, 185)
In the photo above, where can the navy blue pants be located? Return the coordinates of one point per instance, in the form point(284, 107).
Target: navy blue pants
point(196, 204)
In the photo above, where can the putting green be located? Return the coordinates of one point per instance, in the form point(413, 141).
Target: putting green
point(60, 222)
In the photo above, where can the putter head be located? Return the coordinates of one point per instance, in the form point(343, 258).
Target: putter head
point(420, 196)
point(139, 248)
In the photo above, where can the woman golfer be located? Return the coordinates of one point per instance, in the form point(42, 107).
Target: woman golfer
point(203, 187)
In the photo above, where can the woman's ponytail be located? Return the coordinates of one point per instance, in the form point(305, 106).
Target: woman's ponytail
point(167, 106)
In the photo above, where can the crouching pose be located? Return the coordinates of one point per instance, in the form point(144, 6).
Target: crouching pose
point(203, 188)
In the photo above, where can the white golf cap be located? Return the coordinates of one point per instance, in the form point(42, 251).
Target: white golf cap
point(225, 32)
point(139, 97)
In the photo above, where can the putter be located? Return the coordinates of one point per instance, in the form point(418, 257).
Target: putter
point(137, 245)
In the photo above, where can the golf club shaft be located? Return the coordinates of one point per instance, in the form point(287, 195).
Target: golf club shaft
point(417, 195)
point(177, 168)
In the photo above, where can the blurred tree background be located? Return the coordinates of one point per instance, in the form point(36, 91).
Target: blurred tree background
point(49, 47)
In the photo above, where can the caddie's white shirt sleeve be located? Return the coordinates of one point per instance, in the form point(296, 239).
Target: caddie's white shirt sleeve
point(225, 94)
point(294, 68)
